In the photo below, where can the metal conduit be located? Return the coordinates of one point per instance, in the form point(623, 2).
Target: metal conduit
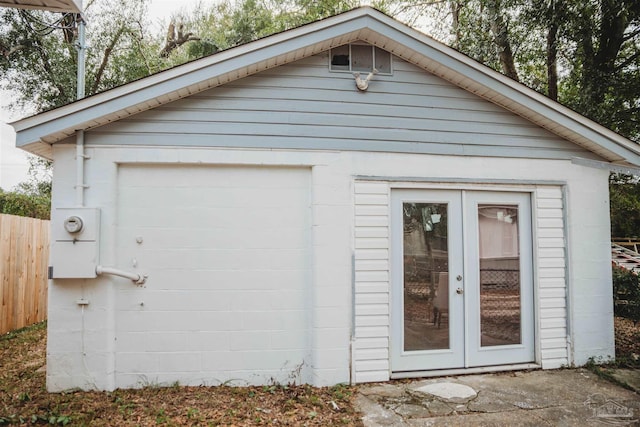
point(139, 279)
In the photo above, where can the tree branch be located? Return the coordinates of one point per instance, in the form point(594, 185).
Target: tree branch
point(175, 39)
point(628, 61)
point(105, 59)
point(631, 35)
point(501, 38)
point(7, 52)
point(552, 53)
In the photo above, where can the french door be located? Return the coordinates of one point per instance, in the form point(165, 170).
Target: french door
point(462, 286)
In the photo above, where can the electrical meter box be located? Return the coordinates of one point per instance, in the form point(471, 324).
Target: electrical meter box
point(75, 236)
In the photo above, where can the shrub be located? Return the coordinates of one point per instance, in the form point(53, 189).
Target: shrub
point(626, 293)
point(20, 204)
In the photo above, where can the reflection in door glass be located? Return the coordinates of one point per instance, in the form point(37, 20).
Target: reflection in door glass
point(499, 275)
point(426, 278)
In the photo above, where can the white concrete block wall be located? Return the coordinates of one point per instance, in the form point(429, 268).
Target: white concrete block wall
point(80, 351)
point(332, 210)
point(228, 248)
point(156, 344)
point(591, 295)
point(348, 216)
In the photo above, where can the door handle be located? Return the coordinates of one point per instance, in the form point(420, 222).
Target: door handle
point(459, 291)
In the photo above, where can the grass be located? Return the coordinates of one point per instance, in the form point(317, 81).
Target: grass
point(627, 336)
point(24, 400)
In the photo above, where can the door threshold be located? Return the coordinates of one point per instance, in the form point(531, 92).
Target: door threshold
point(464, 371)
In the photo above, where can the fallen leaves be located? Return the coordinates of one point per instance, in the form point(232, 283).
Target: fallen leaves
point(24, 400)
point(627, 341)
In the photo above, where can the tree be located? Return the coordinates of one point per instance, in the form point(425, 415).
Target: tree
point(39, 59)
point(226, 24)
point(594, 43)
point(624, 191)
point(31, 198)
point(604, 82)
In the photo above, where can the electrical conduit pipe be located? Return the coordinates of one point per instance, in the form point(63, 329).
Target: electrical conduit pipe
point(139, 279)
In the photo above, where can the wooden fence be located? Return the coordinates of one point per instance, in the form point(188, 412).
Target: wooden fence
point(24, 257)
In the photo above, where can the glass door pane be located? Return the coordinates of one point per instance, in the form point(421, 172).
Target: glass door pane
point(499, 278)
point(426, 277)
point(499, 274)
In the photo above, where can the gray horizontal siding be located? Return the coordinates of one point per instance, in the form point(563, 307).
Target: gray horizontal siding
point(303, 105)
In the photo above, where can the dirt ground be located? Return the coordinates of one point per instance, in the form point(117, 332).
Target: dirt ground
point(24, 400)
point(627, 342)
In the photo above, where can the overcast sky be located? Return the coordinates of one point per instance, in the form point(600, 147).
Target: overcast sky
point(13, 161)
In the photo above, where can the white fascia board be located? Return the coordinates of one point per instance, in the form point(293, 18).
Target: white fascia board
point(78, 114)
point(528, 102)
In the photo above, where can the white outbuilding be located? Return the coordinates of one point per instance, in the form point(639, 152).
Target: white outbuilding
point(262, 215)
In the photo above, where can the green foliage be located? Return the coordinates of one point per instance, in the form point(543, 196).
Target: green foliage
point(39, 58)
point(604, 63)
point(20, 204)
point(32, 198)
point(626, 294)
point(624, 193)
point(588, 49)
point(226, 24)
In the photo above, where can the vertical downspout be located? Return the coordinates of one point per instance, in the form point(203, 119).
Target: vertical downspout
point(80, 156)
point(80, 168)
point(81, 46)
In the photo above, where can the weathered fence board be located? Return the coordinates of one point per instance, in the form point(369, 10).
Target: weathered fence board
point(24, 257)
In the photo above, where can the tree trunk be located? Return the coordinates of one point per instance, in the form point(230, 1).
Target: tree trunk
point(500, 34)
point(552, 50)
point(599, 61)
point(176, 38)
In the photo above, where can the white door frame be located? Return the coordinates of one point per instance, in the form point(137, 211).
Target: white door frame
point(442, 358)
point(469, 353)
point(475, 354)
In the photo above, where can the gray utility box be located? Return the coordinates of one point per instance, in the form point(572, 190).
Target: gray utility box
point(75, 236)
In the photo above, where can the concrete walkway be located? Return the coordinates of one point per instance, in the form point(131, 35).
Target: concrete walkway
point(571, 397)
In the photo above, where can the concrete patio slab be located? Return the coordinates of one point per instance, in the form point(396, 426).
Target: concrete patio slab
point(570, 397)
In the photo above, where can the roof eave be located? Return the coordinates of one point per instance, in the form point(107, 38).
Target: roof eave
point(358, 24)
point(495, 87)
point(169, 85)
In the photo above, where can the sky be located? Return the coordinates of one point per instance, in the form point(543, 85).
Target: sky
point(13, 161)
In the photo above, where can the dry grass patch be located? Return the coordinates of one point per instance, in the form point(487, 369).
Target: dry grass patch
point(24, 400)
point(627, 342)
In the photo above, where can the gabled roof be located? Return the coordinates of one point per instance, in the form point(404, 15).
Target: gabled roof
point(35, 134)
